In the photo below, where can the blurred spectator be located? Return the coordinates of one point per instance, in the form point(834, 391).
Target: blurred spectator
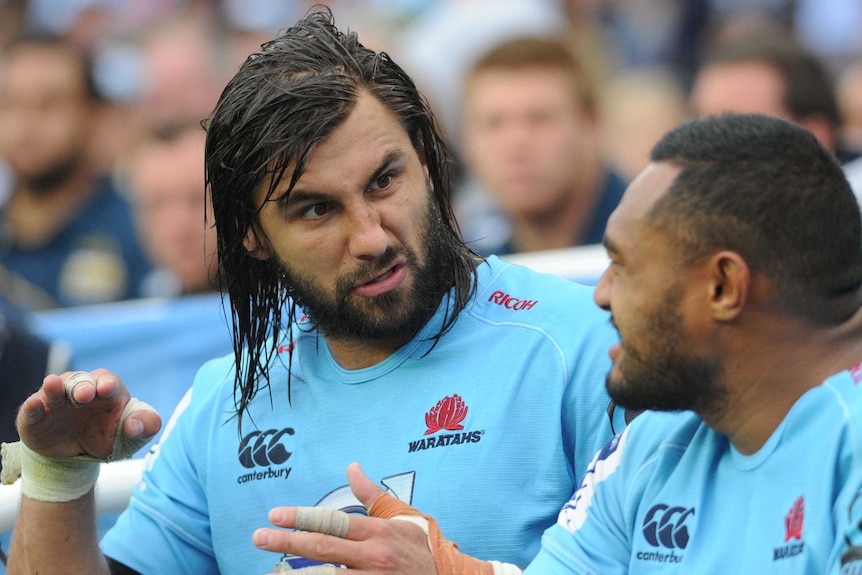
point(25, 359)
point(164, 173)
point(764, 68)
point(13, 13)
point(649, 33)
point(440, 44)
point(761, 70)
point(530, 137)
point(830, 29)
point(849, 93)
point(184, 68)
point(638, 106)
point(66, 229)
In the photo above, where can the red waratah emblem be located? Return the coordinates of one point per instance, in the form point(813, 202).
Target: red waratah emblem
point(447, 414)
point(793, 521)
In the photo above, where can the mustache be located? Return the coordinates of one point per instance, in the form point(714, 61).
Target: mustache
point(366, 272)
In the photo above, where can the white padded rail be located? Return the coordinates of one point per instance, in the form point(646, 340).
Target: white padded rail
point(113, 491)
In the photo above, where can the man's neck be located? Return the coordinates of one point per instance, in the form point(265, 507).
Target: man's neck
point(770, 375)
point(564, 224)
point(355, 354)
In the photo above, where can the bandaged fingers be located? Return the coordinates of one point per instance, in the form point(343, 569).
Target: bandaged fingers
point(314, 520)
point(323, 520)
point(77, 388)
point(331, 537)
point(315, 534)
point(447, 558)
point(80, 387)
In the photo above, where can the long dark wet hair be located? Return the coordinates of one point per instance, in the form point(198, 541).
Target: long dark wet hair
point(285, 99)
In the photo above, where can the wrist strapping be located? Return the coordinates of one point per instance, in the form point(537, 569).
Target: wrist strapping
point(59, 479)
point(447, 558)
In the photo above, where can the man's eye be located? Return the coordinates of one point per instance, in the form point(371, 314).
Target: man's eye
point(316, 211)
point(382, 182)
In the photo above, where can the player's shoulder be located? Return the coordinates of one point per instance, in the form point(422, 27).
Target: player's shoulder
point(845, 388)
point(213, 378)
point(654, 431)
point(654, 441)
point(848, 383)
point(513, 292)
point(643, 454)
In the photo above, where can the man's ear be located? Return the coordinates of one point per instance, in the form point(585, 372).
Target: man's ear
point(729, 285)
point(423, 161)
point(253, 246)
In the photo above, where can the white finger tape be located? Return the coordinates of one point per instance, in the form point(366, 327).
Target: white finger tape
point(323, 520)
point(74, 379)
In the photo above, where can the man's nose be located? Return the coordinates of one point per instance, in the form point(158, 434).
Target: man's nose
point(367, 237)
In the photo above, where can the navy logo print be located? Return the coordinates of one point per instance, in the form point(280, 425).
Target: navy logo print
point(264, 448)
point(664, 526)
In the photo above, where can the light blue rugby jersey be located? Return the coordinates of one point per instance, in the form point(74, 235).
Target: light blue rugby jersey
point(489, 431)
point(670, 496)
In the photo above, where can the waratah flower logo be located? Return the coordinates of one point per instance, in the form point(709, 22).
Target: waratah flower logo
point(447, 414)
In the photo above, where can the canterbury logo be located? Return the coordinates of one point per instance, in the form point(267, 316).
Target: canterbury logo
point(447, 414)
point(509, 302)
point(856, 373)
point(264, 448)
point(664, 526)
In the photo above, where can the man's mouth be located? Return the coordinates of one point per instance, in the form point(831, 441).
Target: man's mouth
point(382, 276)
point(387, 281)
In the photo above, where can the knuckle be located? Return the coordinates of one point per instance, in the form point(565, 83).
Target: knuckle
point(383, 559)
point(279, 541)
point(320, 545)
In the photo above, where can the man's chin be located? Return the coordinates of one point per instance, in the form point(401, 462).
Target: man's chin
point(616, 390)
point(620, 391)
point(371, 325)
point(614, 382)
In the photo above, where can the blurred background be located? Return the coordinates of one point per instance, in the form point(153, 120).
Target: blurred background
point(550, 106)
point(92, 90)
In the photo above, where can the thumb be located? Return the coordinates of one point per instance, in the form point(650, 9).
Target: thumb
point(376, 500)
point(142, 422)
point(363, 488)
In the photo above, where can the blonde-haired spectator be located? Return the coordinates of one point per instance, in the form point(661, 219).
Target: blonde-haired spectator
point(637, 107)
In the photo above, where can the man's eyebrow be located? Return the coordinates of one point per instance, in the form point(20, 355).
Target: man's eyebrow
point(297, 196)
point(300, 195)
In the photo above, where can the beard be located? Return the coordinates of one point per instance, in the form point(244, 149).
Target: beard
point(48, 180)
point(660, 375)
point(397, 314)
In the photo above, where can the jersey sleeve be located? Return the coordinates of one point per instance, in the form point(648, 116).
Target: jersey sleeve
point(848, 554)
point(166, 526)
point(582, 334)
point(586, 425)
point(589, 537)
point(846, 557)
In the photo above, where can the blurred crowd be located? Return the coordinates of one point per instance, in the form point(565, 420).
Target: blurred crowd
point(551, 107)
